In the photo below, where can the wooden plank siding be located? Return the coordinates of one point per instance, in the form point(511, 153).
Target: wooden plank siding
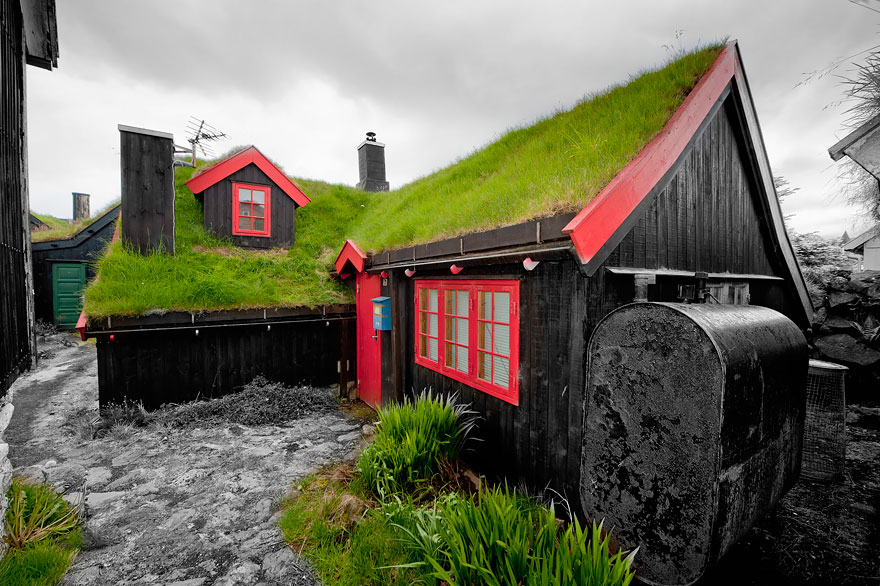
point(217, 203)
point(16, 312)
point(174, 365)
point(707, 218)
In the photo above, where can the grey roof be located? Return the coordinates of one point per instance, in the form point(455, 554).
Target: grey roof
point(860, 240)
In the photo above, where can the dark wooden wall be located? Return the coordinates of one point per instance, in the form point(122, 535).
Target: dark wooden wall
point(16, 325)
point(707, 218)
point(217, 201)
point(147, 191)
point(86, 247)
point(174, 365)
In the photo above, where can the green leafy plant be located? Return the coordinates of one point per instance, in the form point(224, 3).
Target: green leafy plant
point(36, 513)
point(501, 538)
point(413, 440)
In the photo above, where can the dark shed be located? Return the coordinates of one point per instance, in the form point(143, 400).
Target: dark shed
point(248, 199)
point(63, 267)
point(29, 37)
point(504, 317)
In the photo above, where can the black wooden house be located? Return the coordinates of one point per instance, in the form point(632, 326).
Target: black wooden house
point(63, 267)
point(248, 199)
point(503, 317)
point(29, 37)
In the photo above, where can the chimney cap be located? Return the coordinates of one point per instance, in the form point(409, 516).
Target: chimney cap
point(371, 137)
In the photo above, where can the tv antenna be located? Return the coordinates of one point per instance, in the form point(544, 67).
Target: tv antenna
point(199, 133)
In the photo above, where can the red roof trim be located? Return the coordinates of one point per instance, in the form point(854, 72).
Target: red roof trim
point(600, 219)
point(238, 161)
point(81, 325)
point(350, 253)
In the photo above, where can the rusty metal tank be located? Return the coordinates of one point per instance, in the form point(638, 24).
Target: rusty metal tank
point(693, 424)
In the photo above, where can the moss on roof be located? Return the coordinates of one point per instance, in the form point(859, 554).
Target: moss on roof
point(60, 229)
point(553, 166)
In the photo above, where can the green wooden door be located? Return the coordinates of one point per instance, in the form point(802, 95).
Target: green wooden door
point(68, 281)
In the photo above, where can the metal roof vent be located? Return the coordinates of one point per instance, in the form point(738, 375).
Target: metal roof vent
point(371, 137)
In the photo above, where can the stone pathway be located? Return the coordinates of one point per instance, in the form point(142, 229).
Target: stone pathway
point(182, 507)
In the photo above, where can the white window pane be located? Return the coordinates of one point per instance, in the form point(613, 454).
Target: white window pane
point(485, 336)
point(432, 325)
point(484, 364)
point(501, 372)
point(485, 305)
point(462, 299)
point(244, 223)
point(461, 332)
point(259, 196)
point(502, 307)
point(432, 349)
point(259, 224)
point(244, 209)
point(432, 299)
point(259, 211)
point(244, 195)
point(502, 340)
point(461, 359)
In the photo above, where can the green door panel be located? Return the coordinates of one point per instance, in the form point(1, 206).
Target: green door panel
point(68, 281)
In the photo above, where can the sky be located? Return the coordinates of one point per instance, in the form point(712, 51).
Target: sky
point(303, 81)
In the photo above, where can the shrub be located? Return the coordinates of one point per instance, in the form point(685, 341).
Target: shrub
point(413, 440)
point(502, 538)
point(35, 513)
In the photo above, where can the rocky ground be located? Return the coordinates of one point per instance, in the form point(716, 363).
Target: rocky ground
point(170, 505)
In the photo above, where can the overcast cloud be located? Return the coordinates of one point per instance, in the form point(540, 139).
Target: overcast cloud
point(304, 80)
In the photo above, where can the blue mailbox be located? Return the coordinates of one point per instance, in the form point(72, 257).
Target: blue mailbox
point(382, 313)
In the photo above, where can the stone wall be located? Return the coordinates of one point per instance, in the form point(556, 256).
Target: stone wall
point(5, 464)
point(846, 330)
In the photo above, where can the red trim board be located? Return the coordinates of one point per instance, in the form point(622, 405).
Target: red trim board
point(598, 221)
point(225, 168)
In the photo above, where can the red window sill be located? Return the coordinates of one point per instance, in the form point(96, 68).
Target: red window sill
point(507, 395)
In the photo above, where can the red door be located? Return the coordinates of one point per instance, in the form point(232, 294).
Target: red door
point(369, 351)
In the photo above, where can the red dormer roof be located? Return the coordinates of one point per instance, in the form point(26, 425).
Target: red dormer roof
point(208, 177)
point(350, 254)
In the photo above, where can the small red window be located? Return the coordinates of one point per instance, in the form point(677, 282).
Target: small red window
point(469, 331)
point(250, 210)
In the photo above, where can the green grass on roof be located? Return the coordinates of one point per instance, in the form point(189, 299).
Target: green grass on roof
point(64, 229)
point(207, 273)
point(553, 166)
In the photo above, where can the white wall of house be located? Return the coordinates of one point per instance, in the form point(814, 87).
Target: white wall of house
point(872, 255)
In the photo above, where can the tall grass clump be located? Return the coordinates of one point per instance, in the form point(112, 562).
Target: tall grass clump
point(413, 440)
point(43, 534)
point(501, 538)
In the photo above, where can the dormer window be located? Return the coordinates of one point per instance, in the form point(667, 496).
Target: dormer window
point(250, 210)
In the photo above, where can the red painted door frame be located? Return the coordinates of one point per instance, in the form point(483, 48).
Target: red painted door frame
point(369, 356)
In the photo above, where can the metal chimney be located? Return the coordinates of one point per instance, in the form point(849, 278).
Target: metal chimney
point(371, 163)
point(81, 206)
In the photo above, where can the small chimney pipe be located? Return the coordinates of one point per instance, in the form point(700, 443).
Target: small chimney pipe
point(81, 206)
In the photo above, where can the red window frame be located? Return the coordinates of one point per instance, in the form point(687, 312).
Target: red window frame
point(509, 394)
point(236, 209)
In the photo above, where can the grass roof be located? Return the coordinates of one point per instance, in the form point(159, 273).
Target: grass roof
point(554, 166)
point(60, 229)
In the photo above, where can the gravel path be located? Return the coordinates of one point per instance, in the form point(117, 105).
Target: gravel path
point(183, 507)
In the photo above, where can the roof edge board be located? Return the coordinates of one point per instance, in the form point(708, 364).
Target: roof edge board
point(240, 160)
point(595, 225)
point(838, 151)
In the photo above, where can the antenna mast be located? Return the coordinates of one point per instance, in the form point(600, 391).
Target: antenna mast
point(200, 132)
